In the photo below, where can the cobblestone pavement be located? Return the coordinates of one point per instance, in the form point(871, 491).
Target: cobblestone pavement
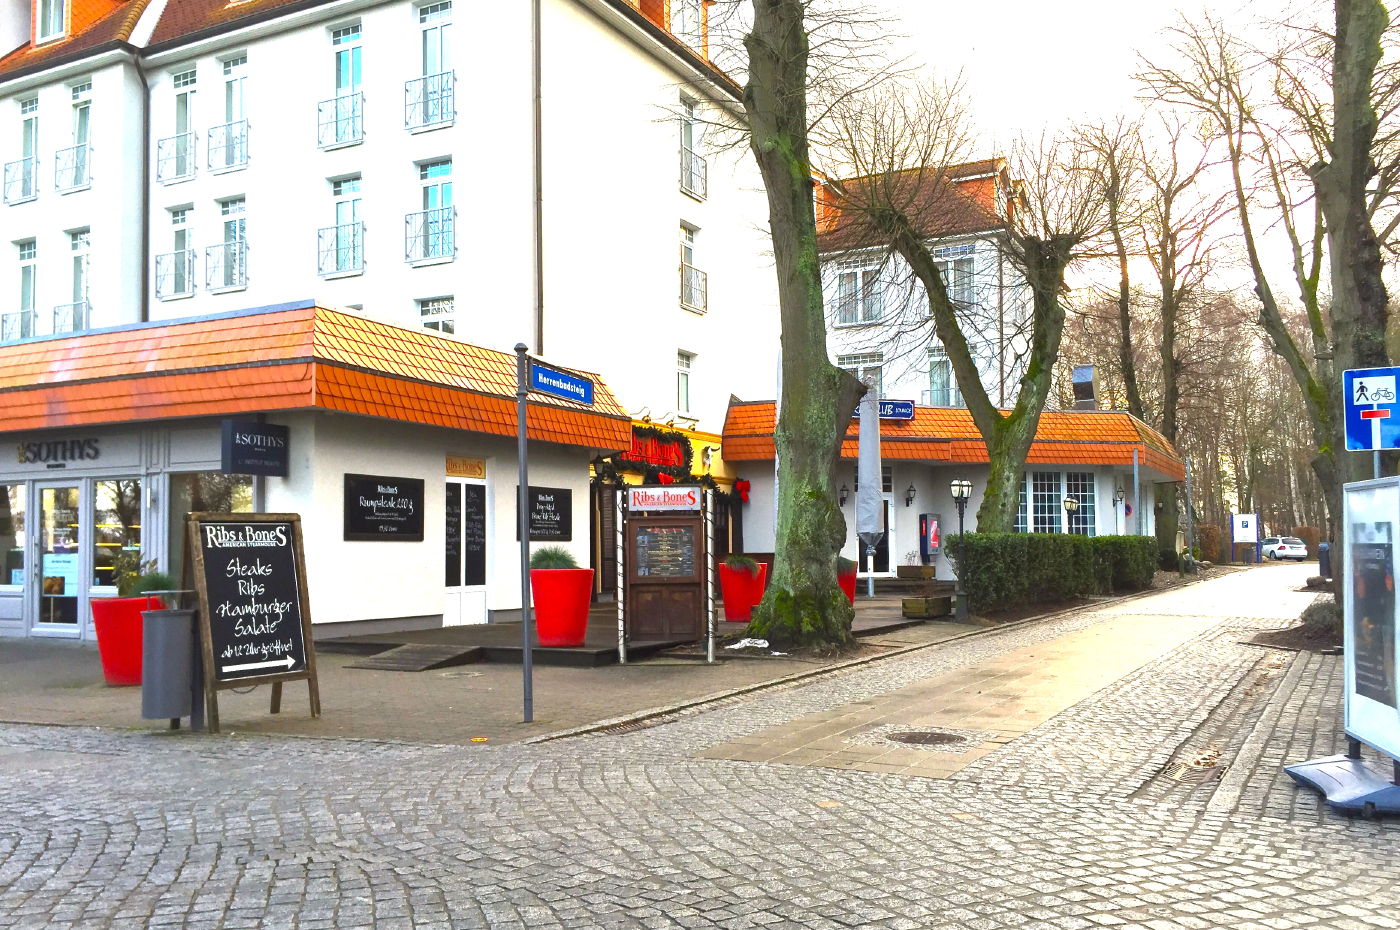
point(1078, 823)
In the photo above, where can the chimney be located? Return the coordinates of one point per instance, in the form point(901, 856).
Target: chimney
point(1086, 394)
point(16, 26)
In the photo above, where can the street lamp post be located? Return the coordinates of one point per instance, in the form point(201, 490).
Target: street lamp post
point(1071, 508)
point(962, 490)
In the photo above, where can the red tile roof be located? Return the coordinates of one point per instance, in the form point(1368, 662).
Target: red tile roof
point(947, 434)
point(285, 358)
point(91, 23)
point(183, 18)
point(953, 201)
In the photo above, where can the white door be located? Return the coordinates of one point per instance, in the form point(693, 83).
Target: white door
point(465, 552)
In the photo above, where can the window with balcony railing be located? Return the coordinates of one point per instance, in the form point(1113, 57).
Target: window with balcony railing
point(71, 168)
point(228, 146)
point(226, 266)
point(694, 287)
point(175, 275)
point(428, 235)
point(70, 318)
point(175, 158)
point(694, 174)
point(428, 101)
point(17, 325)
point(341, 249)
point(340, 121)
point(21, 180)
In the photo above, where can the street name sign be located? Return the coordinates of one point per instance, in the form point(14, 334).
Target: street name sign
point(561, 384)
point(1371, 410)
point(893, 410)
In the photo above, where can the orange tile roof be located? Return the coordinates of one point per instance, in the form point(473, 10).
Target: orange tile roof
point(947, 434)
point(90, 23)
point(184, 18)
point(288, 357)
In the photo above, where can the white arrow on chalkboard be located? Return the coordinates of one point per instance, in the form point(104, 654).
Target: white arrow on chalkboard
point(288, 662)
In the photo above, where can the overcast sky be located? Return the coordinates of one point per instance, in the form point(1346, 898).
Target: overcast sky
point(1031, 63)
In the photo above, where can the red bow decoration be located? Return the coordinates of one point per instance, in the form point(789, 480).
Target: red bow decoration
point(742, 487)
point(664, 478)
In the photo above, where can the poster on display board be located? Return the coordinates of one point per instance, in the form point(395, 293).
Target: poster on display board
point(1371, 512)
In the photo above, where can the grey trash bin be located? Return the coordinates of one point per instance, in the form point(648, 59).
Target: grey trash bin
point(167, 663)
point(1324, 559)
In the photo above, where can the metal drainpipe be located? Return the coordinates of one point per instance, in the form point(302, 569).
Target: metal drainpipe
point(538, 145)
point(144, 304)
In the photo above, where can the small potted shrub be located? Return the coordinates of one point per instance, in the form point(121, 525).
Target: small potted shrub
point(117, 623)
point(846, 577)
point(561, 592)
point(741, 581)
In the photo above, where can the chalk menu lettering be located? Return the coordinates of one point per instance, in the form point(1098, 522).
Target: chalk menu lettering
point(551, 513)
point(378, 507)
point(666, 552)
point(453, 544)
point(1373, 652)
point(474, 534)
point(251, 598)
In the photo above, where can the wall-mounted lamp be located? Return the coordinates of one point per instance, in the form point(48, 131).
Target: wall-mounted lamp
point(843, 494)
point(909, 495)
point(1118, 494)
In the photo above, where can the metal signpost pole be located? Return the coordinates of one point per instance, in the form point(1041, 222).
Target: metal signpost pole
point(710, 577)
point(522, 378)
point(621, 584)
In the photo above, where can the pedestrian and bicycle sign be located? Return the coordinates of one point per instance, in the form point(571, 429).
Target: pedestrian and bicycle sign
point(1372, 414)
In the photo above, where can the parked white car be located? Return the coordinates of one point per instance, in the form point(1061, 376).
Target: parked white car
point(1285, 547)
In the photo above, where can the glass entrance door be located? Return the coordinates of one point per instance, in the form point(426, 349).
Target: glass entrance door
point(58, 540)
point(465, 551)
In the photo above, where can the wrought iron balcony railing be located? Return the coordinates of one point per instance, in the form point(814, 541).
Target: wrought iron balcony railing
point(340, 121)
point(695, 174)
point(16, 325)
point(21, 180)
point(70, 318)
point(428, 236)
point(175, 158)
point(228, 146)
point(71, 168)
point(429, 101)
point(694, 288)
point(226, 266)
point(175, 275)
point(341, 249)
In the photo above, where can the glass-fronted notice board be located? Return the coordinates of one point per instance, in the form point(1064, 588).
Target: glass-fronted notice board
point(667, 552)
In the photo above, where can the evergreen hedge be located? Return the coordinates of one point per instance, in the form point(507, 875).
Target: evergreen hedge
point(1008, 570)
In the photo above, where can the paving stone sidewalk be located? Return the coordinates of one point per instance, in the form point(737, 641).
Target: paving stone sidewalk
point(1062, 827)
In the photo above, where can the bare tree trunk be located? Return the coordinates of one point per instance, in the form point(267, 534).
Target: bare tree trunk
point(804, 605)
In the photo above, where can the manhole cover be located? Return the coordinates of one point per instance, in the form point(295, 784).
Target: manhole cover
point(925, 738)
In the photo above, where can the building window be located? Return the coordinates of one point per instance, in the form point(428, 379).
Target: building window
point(1021, 506)
point(228, 142)
point(71, 164)
point(341, 245)
point(694, 170)
point(686, 22)
point(19, 323)
point(942, 386)
point(439, 314)
point(226, 264)
point(955, 265)
point(342, 117)
point(428, 100)
point(866, 366)
point(859, 296)
point(1047, 502)
point(886, 479)
point(429, 235)
point(175, 155)
point(53, 19)
point(71, 317)
point(22, 175)
point(175, 269)
point(695, 284)
point(684, 361)
point(1080, 486)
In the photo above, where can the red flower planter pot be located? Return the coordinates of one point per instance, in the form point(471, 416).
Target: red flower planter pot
point(117, 622)
point(561, 597)
point(847, 581)
point(741, 590)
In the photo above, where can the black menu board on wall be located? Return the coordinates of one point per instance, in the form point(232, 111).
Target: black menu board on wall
point(452, 543)
point(380, 507)
point(551, 513)
point(665, 552)
point(474, 534)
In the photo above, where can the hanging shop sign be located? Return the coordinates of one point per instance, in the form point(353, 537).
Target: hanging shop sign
point(671, 497)
point(253, 448)
point(378, 507)
point(254, 613)
point(551, 514)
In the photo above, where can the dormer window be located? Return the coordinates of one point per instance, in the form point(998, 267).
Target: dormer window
point(53, 20)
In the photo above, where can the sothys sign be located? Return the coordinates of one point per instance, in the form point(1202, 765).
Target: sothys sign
point(671, 497)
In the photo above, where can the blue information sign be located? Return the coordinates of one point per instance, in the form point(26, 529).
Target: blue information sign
point(560, 384)
point(1372, 413)
point(893, 410)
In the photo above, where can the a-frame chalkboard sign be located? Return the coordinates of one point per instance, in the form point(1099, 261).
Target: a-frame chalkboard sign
point(254, 613)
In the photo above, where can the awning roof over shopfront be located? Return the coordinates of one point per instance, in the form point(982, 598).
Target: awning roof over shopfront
point(287, 357)
point(947, 434)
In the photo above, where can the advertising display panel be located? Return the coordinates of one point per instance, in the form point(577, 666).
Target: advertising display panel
point(1371, 513)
